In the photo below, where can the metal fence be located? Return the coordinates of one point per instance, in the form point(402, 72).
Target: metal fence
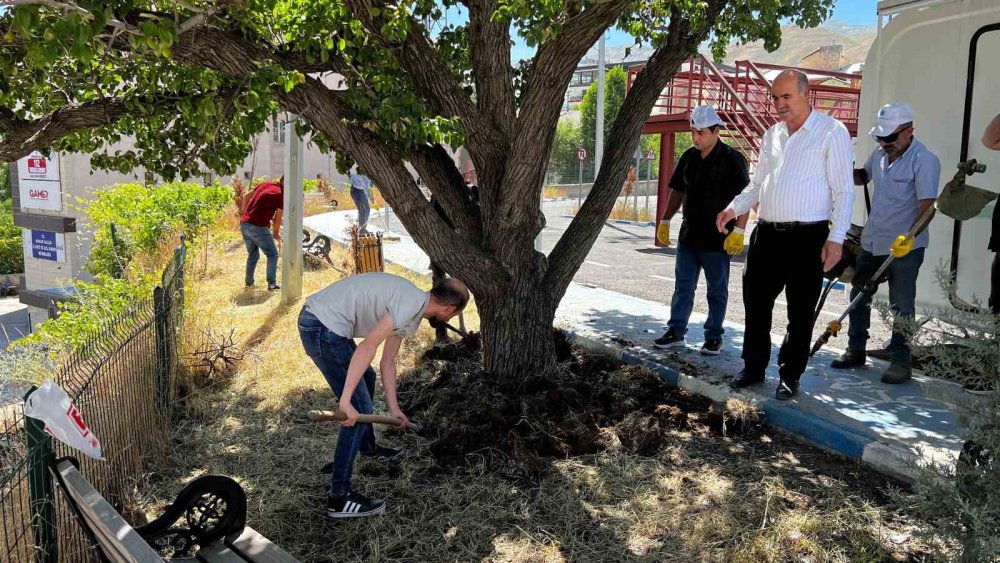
point(122, 381)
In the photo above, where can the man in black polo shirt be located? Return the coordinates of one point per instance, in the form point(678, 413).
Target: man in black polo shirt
point(708, 176)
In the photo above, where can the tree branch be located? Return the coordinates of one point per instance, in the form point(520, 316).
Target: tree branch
point(571, 250)
point(328, 112)
point(421, 62)
point(436, 167)
point(489, 47)
point(435, 82)
point(511, 221)
point(68, 7)
point(51, 4)
point(487, 143)
point(22, 136)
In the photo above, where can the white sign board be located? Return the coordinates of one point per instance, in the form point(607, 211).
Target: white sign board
point(44, 245)
point(38, 182)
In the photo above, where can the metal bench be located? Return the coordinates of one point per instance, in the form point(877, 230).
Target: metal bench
point(206, 523)
point(317, 248)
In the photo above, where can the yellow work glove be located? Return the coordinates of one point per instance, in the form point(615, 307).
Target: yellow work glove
point(663, 233)
point(901, 246)
point(734, 242)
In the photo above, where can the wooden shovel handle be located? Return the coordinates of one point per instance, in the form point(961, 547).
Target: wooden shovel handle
point(337, 416)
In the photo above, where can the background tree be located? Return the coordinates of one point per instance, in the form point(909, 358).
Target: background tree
point(4, 181)
point(563, 165)
point(385, 83)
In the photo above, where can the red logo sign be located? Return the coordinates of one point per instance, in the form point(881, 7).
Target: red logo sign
point(39, 194)
point(36, 166)
point(77, 419)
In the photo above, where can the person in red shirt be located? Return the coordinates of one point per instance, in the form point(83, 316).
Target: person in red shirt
point(260, 224)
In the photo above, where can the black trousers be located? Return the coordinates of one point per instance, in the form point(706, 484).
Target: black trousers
point(995, 285)
point(782, 259)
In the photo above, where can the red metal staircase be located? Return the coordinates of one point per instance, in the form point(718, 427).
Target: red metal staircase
point(743, 99)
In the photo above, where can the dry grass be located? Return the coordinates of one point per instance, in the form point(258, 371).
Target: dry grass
point(342, 195)
point(317, 205)
point(759, 497)
point(625, 211)
point(552, 192)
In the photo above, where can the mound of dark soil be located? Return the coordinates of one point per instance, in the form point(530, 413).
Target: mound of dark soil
point(574, 408)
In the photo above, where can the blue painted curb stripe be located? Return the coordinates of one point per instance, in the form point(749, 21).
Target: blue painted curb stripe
point(815, 429)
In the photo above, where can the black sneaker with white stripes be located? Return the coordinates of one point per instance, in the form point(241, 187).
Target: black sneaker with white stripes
point(669, 339)
point(354, 505)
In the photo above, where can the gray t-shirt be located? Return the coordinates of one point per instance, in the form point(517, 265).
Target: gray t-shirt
point(353, 306)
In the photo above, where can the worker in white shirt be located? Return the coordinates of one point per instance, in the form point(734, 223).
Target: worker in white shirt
point(804, 184)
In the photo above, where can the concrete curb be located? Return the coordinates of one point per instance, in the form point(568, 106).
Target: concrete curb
point(623, 221)
point(888, 458)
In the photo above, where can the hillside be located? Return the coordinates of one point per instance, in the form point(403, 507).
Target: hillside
point(796, 43)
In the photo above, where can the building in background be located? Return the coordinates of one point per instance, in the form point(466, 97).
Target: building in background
point(49, 194)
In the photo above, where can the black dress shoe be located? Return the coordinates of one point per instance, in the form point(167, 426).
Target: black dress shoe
point(786, 390)
point(746, 378)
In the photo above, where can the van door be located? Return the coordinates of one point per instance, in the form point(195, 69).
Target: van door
point(969, 245)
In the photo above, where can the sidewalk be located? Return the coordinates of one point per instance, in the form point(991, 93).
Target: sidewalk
point(849, 412)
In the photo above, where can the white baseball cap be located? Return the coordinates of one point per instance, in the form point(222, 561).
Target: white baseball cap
point(890, 117)
point(703, 117)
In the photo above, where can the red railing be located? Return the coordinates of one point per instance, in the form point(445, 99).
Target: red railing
point(743, 97)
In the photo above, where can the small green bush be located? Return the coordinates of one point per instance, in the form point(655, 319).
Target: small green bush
point(144, 217)
point(97, 303)
point(11, 256)
point(11, 248)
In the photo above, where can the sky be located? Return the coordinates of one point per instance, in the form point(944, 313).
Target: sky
point(855, 12)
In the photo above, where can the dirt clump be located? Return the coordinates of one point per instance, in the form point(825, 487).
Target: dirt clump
point(576, 407)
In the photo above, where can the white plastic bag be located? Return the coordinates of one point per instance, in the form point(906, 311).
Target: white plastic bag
point(50, 404)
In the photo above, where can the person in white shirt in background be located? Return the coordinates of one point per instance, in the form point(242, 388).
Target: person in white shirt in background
point(804, 184)
point(361, 193)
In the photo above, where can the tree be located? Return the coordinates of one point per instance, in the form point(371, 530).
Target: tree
point(386, 84)
point(614, 98)
point(563, 164)
point(4, 181)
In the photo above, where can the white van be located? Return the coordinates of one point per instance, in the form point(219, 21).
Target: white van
point(943, 58)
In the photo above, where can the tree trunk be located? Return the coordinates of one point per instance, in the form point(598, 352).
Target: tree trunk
point(438, 276)
point(517, 331)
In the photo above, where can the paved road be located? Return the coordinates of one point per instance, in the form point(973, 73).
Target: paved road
point(13, 321)
point(624, 259)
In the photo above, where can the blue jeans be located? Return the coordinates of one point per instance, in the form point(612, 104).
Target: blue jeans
point(361, 202)
point(902, 296)
point(687, 268)
point(332, 355)
point(260, 239)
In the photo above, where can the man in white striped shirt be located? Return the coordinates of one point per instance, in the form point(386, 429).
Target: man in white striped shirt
point(805, 188)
